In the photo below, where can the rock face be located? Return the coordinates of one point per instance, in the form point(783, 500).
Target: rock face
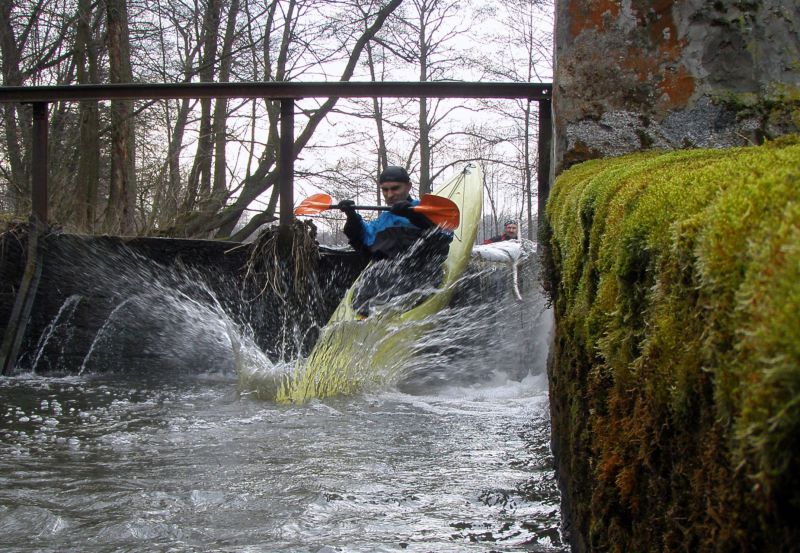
point(635, 75)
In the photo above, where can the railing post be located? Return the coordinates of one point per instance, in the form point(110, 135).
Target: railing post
point(286, 162)
point(545, 145)
point(39, 163)
point(29, 284)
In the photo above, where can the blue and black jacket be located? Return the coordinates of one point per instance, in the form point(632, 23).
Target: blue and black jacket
point(389, 234)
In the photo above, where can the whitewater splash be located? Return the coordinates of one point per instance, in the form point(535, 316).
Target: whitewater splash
point(497, 325)
point(448, 451)
point(172, 322)
point(127, 314)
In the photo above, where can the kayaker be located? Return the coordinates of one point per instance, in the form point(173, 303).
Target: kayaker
point(510, 232)
point(407, 249)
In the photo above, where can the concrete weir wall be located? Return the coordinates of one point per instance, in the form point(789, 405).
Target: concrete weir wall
point(674, 374)
point(645, 463)
point(154, 304)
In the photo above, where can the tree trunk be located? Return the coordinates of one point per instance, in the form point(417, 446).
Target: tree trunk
point(267, 216)
point(199, 185)
point(89, 161)
point(19, 188)
point(424, 149)
point(424, 127)
point(169, 208)
point(221, 111)
point(528, 170)
point(122, 186)
point(377, 113)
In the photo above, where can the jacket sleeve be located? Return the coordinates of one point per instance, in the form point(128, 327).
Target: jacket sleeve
point(354, 230)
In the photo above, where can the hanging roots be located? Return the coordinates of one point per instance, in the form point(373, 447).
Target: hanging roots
point(15, 232)
point(284, 260)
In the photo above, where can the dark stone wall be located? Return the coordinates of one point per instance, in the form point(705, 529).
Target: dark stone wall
point(167, 298)
point(635, 75)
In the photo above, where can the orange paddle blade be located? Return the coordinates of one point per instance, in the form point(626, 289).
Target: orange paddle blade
point(441, 211)
point(314, 204)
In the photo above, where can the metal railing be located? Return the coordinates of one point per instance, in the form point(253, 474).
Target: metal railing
point(287, 93)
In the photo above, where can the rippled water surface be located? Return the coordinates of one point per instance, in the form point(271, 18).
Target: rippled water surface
point(108, 464)
point(452, 456)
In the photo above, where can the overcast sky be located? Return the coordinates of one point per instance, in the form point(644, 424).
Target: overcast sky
point(488, 36)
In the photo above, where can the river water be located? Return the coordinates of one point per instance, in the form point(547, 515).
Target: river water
point(112, 461)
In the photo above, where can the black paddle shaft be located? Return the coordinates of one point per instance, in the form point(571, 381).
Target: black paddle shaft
point(368, 207)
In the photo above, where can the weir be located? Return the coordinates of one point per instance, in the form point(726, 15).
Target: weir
point(155, 433)
point(286, 92)
point(89, 285)
point(180, 306)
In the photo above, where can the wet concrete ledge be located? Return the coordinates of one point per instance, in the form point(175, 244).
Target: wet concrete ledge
point(86, 278)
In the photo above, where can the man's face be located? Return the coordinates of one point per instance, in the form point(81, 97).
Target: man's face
point(511, 230)
point(394, 192)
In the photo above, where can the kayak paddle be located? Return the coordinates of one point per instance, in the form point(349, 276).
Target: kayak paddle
point(441, 211)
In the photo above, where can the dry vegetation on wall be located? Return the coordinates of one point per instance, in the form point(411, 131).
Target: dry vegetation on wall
point(676, 371)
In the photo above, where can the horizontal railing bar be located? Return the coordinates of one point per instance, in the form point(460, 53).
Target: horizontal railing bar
point(277, 90)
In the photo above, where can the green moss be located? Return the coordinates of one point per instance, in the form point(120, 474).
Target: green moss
point(778, 107)
point(678, 297)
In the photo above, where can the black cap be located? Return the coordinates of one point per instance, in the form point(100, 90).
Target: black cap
point(394, 173)
point(510, 222)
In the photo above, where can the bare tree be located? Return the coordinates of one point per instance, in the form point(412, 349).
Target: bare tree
point(523, 54)
point(174, 19)
point(122, 185)
point(208, 168)
point(265, 175)
point(382, 160)
point(32, 38)
point(219, 188)
point(199, 184)
point(423, 35)
point(86, 64)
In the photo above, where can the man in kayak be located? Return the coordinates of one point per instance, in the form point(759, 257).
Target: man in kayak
point(407, 249)
point(510, 230)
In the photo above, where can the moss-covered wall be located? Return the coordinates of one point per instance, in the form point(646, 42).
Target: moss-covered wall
point(675, 372)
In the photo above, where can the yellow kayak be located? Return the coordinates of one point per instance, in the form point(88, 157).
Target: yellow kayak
point(353, 354)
